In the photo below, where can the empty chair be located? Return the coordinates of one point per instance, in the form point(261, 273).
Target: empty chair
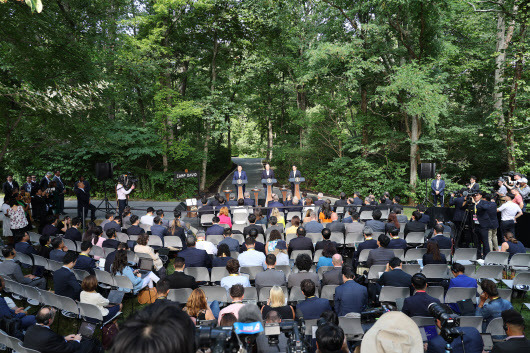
point(22, 349)
point(352, 327)
point(206, 220)
point(363, 256)
point(446, 252)
point(23, 258)
point(234, 254)
point(201, 274)
point(522, 278)
point(315, 237)
point(309, 324)
point(145, 227)
point(285, 268)
point(70, 244)
point(67, 304)
point(390, 294)
point(423, 320)
point(505, 293)
point(90, 311)
point(32, 293)
point(495, 327)
point(218, 273)
point(295, 253)
point(375, 271)
point(239, 227)
point(297, 295)
point(411, 269)
point(322, 270)
point(240, 218)
point(291, 214)
point(415, 238)
point(54, 265)
point(172, 242)
point(180, 295)
point(465, 255)
point(252, 271)
point(215, 238)
point(497, 258)
point(251, 295)
point(239, 237)
point(337, 237)
point(155, 240)
point(34, 237)
point(80, 275)
point(353, 238)
point(472, 321)
point(456, 294)
point(399, 253)
point(122, 237)
point(470, 270)
point(328, 291)
point(97, 251)
point(215, 293)
point(415, 254)
point(124, 282)
point(520, 262)
point(489, 271)
point(435, 271)
point(365, 215)
point(40, 261)
point(105, 279)
point(436, 292)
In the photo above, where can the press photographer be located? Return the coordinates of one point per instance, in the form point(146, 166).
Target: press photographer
point(520, 185)
point(124, 187)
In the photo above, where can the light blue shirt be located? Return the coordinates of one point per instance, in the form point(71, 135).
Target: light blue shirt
point(324, 261)
point(251, 257)
point(137, 282)
point(228, 281)
point(492, 310)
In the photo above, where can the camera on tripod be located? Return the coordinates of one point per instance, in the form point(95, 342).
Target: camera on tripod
point(291, 330)
point(448, 322)
point(127, 180)
point(217, 339)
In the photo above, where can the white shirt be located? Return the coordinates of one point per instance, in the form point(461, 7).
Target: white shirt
point(147, 220)
point(509, 210)
point(251, 257)
point(122, 193)
point(207, 246)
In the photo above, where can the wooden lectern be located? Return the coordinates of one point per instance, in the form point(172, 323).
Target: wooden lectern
point(284, 193)
point(239, 184)
point(227, 194)
point(256, 191)
point(296, 182)
point(269, 182)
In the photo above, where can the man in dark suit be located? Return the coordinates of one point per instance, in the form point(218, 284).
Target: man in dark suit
point(73, 232)
point(425, 218)
point(59, 249)
point(333, 276)
point(418, 304)
point(459, 201)
point(394, 276)
point(326, 234)
point(247, 201)
point(258, 245)
point(179, 279)
point(514, 326)
point(59, 187)
point(45, 182)
point(395, 241)
point(381, 255)
point(395, 204)
point(312, 307)
point(231, 202)
point(494, 221)
point(10, 186)
point(270, 277)
point(215, 229)
point(473, 187)
point(64, 279)
point(84, 261)
point(109, 260)
point(41, 338)
point(267, 173)
point(294, 174)
point(158, 229)
point(300, 242)
point(341, 202)
point(252, 225)
point(368, 243)
point(320, 199)
point(38, 208)
point(135, 228)
point(335, 225)
point(83, 202)
point(415, 225)
point(22, 244)
point(472, 341)
point(194, 257)
point(30, 186)
point(113, 223)
point(205, 208)
point(438, 189)
point(350, 297)
point(484, 223)
point(376, 224)
point(240, 175)
point(111, 241)
point(442, 241)
point(275, 202)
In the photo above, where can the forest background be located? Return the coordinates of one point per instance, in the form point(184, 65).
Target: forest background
point(356, 93)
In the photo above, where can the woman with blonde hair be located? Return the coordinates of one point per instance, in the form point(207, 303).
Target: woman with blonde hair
point(279, 216)
point(224, 217)
point(277, 303)
point(307, 217)
point(197, 306)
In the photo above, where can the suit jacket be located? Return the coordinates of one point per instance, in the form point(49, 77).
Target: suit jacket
point(313, 307)
point(59, 184)
point(443, 241)
point(25, 248)
point(86, 263)
point(270, 278)
point(336, 226)
point(111, 243)
point(83, 197)
point(332, 277)
point(50, 229)
point(301, 243)
point(44, 340)
point(249, 202)
point(12, 269)
point(159, 230)
point(38, 207)
point(135, 230)
point(354, 227)
point(8, 190)
point(425, 219)
point(417, 305)
point(475, 188)
point(264, 174)
point(460, 209)
point(296, 278)
point(440, 188)
point(379, 256)
point(73, 234)
point(321, 244)
point(216, 229)
point(414, 226)
point(395, 278)
point(295, 175)
point(206, 209)
point(397, 244)
point(109, 260)
point(377, 226)
point(112, 225)
point(30, 187)
point(482, 213)
point(350, 297)
point(181, 280)
point(57, 255)
point(313, 227)
point(492, 214)
point(472, 342)
point(512, 345)
point(194, 257)
point(367, 244)
point(237, 176)
point(44, 183)
point(66, 284)
point(246, 230)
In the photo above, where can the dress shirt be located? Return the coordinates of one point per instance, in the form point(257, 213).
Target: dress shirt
point(509, 210)
point(231, 309)
point(207, 246)
point(122, 193)
point(228, 281)
point(251, 257)
point(147, 219)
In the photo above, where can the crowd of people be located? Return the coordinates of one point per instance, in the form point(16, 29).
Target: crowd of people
point(284, 255)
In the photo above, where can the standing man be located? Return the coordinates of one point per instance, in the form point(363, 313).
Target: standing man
point(510, 211)
point(30, 186)
point(240, 175)
point(482, 223)
point(59, 185)
point(438, 188)
point(473, 187)
point(267, 173)
point(45, 182)
point(10, 186)
point(458, 217)
point(122, 195)
point(294, 174)
point(83, 202)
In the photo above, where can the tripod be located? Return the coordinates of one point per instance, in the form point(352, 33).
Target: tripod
point(108, 206)
point(426, 198)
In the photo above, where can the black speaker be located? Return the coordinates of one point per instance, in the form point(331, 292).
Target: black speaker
point(103, 171)
point(181, 207)
point(427, 171)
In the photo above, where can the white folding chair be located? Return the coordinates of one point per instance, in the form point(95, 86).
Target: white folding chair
point(179, 295)
point(390, 294)
point(201, 274)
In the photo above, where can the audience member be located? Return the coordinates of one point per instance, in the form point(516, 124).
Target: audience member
point(179, 279)
point(375, 223)
point(415, 225)
point(274, 237)
point(233, 245)
point(142, 247)
point(121, 267)
point(470, 341)
point(393, 332)
point(514, 326)
point(251, 257)
point(350, 297)
point(158, 229)
point(224, 216)
point(215, 229)
point(303, 262)
point(512, 245)
point(84, 261)
point(335, 225)
point(394, 276)
point(262, 341)
point(73, 232)
point(418, 304)
point(368, 243)
point(45, 246)
point(277, 302)
point(273, 225)
point(64, 280)
point(442, 241)
point(300, 242)
point(12, 269)
point(252, 225)
point(326, 257)
point(149, 217)
point(395, 241)
point(111, 241)
point(109, 217)
point(90, 295)
point(162, 289)
point(258, 246)
point(326, 234)
point(115, 224)
point(59, 249)
point(237, 293)
point(282, 258)
point(381, 255)
point(15, 312)
point(205, 245)
point(270, 277)
point(312, 307)
point(333, 276)
point(23, 245)
point(355, 226)
point(313, 226)
point(197, 306)
point(109, 260)
point(234, 277)
point(135, 228)
point(494, 307)
point(194, 257)
point(433, 255)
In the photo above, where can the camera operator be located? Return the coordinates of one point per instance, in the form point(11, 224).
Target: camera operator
point(502, 190)
point(482, 223)
point(472, 340)
point(271, 344)
point(510, 211)
point(122, 194)
point(459, 201)
point(521, 187)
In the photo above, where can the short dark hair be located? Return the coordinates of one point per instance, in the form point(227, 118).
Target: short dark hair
point(223, 249)
point(303, 262)
point(300, 231)
point(161, 324)
point(86, 245)
point(227, 319)
point(232, 266)
point(250, 241)
point(133, 219)
point(157, 220)
point(377, 214)
point(163, 286)
point(160, 212)
point(7, 251)
point(76, 221)
point(417, 215)
point(252, 218)
point(109, 214)
point(383, 240)
point(394, 262)
point(394, 231)
point(270, 259)
point(253, 233)
point(273, 220)
point(329, 338)
point(179, 262)
point(355, 216)
point(43, 240)
point(347, 271)
point(308, 287)
point(456, 267)
point(419, 281)
point(142, 239)
point(237, 291)
point(45, 315)
point(111, 233)
point(439, 228)
point(227, 232)
point(69, 257)
point(56, 242)
point(150, 209)
point(215, 219)
point(489, 287)
point(326, 233)
point(89, 284)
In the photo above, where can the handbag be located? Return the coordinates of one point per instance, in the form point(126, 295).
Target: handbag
point(12, 326)
point(147, 296)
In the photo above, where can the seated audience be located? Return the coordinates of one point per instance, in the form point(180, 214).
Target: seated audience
point(120, 267)
point(59, 249)
point(164, 222)
point(64, 281)
point(158, 229)
point(197, 306)
point(237, 293)
point(303, 262)
point(355, 226)
point(394, 276)
point(368, 243)
point(90, 295)
point(234, 277)
point(252, 225)
point(494, 307)
point(23, 245)
point(516, 342)
point(126, 217)
point(195, 257)
point(335, 225)
point(109, 260)
point(415, 225)
point(301, 242)
point(280, 219)
point(307, 217)
point(223, 256)
point(274, 237)
point(205, 245)
point(273, 225)
point(282, 258)
point(12, 270)
point(149, 217)
point(312, 307)
point(418, 304)
point(381, 255)
point(442, 241)
point(16, 312)
point(84, 261)
point(270, 277)
point(375, 223)
point(233, 245)
point(224, 217)
point(109, 217)
point(258, 246)
point(142, 247)
point(295, 223)
point(215, 229)
point(512, 245)
point(325, 213)
point(333, 276)
point(115, 224)
point(350, 297)
point(135, 228)
point(251, 257)
point(179, 279)
point(392, 223)
point(51, 226)
point(326, 234)
point(433, 255)
point(111, 241)
point(162, 290)
point(312, 225)
point(327, 255)
point(277, 302)
point(395, 241)
point(45, 246)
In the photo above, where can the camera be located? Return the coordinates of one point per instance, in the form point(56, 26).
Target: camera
point(291, 330)
point(449, 322)
point(127, 180)
point(217, 339)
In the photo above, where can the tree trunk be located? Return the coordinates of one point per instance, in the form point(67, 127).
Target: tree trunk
point(500, 59)
point(269, 139)
point(414, 150)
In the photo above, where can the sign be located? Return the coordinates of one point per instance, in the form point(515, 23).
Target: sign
point(186, 174)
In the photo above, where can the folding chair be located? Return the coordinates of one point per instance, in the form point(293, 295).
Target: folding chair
point(67, 305)
point(215, 293)
point(411, 269)
point(317, 255)
point(180, 295)
point(201, 274)
point(218, 273)
point(465, 256)
point(40, 261)
point(155, 240)
point(436, 292)
point(291, 214)
point(250, 295)
point(497, 258)
point(435, 271)
point(105, 279)
point(295, 253)
point(520, 262)
point(97, 251)
point(447, 253)
point(234, 254)
point(80, 275)
point(390, 294)
point(375, 270)
point(12, 342)
point(328, 292)
point(34, 237)
point(489, 271)
point(49, 298)
point(309, 327)
point(71, 245)
point(365, 215)
point(455, 294)
point(352, 328)
point(285, 268)
point(252, 271)
point(505, 293)
point(415, 254)
point(240, 218)
point(238, 227)
point(289, 237)
point(337, 237)
point(415, 238)
point(472, 321)
point(363, 256)
point(23, 258)
point(206, 219)
point(522, 278)
point(124, 282)
point(423, 320)
point(353, 238)
point(296, 295)
point(399, 253)
point(215, 238)
point(172, 242)
point(322, 270)
point(32, 293)
point(315, 237)
point(90, 311)
point(495, 327)
point(54, 265)
point(122, 237)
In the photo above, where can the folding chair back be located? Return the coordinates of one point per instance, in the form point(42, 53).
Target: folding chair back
point(122, 237)
point(124, 282)
point(411, 269)
point(352, 327)
point(172, 241)
point(251, 294)
point(352, 238)
point(363, 256)
point(215, 239)
point(206, 219)
point(215, 293)
point(399, 253)
point(436, 292)
point(375, 271)
point(295, 253)
point(54, 265)
point(423, 320)
point(70, 244)
point(505, 293)
point(495, 327)
point(155, 240)
point(390, 294)
point(472, 321)
point(97, 251)
point(315, 237)
point(365, 215)
point(496, 258)
point(80, 275)
point(104, 278)
point(489, 271)
point(90, 311)
point(317, 255)
point(435, 271)
point(67, 304)
point(337, 237)
point(415, 238)
point(465, 254)
point(218, 273)
point(520, 260)
point(291, 214)
point(455, 294)
point(23, 258)
point(296, 295)
point(201, 274)
point(40, 261)
point(328, 291)
point(414, 254)
point(180, 295)
point(32, 293)
point(285, 268)
point(252, 271)
point(264, 293)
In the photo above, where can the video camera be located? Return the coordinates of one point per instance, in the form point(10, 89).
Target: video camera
point(449, 322)
point(127, 180)
point(217, 339)
point(294, 332)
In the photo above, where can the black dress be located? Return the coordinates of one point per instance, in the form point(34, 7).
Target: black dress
point(286, 312)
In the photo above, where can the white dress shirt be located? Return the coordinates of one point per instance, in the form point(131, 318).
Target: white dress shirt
point(122, 193)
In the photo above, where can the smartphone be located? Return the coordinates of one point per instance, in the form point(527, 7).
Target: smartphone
point(26, 309)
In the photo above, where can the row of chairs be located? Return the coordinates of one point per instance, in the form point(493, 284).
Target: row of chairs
point(14, 344)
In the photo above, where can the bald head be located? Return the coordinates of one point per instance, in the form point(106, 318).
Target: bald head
point(334, 216)
point(336, 260)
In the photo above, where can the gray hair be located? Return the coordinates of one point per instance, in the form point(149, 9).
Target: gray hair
point(320, 195)
point(250, 313)
point(275, 197)
point(368, 231)
point(49, 173)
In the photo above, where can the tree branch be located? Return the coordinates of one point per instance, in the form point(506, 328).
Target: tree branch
point(353, 24)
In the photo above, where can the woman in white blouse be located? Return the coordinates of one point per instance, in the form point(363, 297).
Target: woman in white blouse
point(89, 295)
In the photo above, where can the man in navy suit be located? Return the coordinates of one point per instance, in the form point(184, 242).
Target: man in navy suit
point(59, 187)
point(473, 187)
point(194, 257)
point(484, 223)
point(215, 229)
point(312, 307)
point(10, 186)
point(274, 203)
point(376, 224)
point(393, 276)
point(459, 201)
point(350, 297)
point(158, 229)
point(418, 304)
point(442, 241)
point(83, 202)
point(472, 341)
point(22, 244)
point(84, 261)
point(368, 243)
point(294, 174)
point(267, 173)
point(395, 241)
point(240, 175)
point(64, 279)
point(247, 201)
point(73, 232)
point(438, 189)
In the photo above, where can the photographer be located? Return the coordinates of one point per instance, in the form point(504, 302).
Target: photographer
point(510, 211)
point(519, 187)
point(122, 193)
point(473, 187)
point(277, 343)
point(502, 190)
point(482, 223)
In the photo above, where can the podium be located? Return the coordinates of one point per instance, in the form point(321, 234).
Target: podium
point(284, 192)
point(239, 184)
point(227, 194)
point(256, 191)
point(269, 182)
point(296, 182)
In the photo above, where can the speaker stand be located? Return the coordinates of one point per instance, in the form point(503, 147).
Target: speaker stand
point(107, 205)
point(426, 198)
